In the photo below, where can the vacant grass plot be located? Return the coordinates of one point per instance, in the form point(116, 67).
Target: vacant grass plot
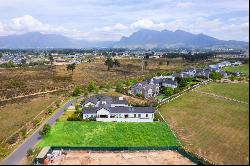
point(239, 91)
point(109, 134)
point(243, 69)
point(214, 128)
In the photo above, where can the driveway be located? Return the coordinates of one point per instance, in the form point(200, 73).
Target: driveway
point(18, 155)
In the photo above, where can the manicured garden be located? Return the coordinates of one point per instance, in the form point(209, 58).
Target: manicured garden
point(79, 133)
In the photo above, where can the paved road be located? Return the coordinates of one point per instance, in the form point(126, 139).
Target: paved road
point(18, 155)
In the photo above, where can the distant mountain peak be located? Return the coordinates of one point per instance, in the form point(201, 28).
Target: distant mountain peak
point(163, 39)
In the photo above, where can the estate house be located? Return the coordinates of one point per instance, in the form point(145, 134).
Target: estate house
point(105, 109)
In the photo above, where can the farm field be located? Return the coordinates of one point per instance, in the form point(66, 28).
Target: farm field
point(216, 129)
point(239, 91)
point(109, 134)
point(243, 69)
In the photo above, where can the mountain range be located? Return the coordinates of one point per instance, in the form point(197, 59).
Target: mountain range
point(143, 38)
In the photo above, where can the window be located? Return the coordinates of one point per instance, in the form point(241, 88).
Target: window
point(139, 115)
point(146, 115)
point(103, 116)
point(134, 115)
point(126, 116)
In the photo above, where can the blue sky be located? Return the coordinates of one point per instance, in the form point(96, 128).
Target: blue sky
point(111, 19)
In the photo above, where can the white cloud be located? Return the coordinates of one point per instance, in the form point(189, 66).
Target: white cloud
point(116, 27)
point(147, 24)
point(27, 23)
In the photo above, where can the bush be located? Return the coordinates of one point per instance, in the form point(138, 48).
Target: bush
point(36, 122)
point(138, 95)
point(76, 92)
point(74, 117)
point(29, 152)
point(24, 133)
point(168, 91)
point(13, 139)
point(49, 111)
point(215, 76)
point(46, 129)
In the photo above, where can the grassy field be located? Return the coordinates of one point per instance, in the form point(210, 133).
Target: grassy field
point(243, 69)
point(239, 91)
point(214, 128)
point(109, 134)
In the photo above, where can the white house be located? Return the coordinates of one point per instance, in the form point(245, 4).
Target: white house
point(116, 111)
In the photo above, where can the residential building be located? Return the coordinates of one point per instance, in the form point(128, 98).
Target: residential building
point(116, 110)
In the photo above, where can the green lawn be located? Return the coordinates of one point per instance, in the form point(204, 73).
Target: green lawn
point(109, 134)
point(214, 128)
point(160, 97)
point(239, 91)
point(243, 69)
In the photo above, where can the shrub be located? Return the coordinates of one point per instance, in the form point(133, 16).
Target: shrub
point(37, 122)
point(77, 91)
point(138, 95)
point(13, 139)
point(49, 111)
point(46, 129)
point(91, 87)
point(168, 91)
point(73, 117)
point(24, 133)
point(29, 152)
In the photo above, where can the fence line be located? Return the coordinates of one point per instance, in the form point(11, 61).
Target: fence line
point(223, 97)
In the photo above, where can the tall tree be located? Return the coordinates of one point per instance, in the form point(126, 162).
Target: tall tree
point(145, 64)
point(109, 62)
point(51, 59)
point(117, 63)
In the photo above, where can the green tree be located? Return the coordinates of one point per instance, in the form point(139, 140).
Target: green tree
point(71, 67)
point(215, 76)
point(168, 63)
point(160, 63)
point(1, 55)
point(109, 62)
point(77, 91)
point(46, 129)
point(182, 83)
point(117, 63)
point(51, 59)
point(145, 64)
point(168, 91)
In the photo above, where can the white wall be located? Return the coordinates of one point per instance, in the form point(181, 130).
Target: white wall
point(123, 120)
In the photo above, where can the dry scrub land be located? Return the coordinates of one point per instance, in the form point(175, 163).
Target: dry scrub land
point(214, 128)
